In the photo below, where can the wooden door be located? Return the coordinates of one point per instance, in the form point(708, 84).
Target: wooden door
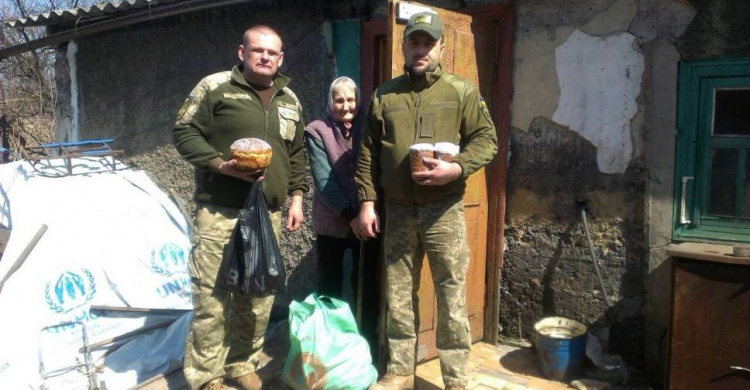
point(458, 58)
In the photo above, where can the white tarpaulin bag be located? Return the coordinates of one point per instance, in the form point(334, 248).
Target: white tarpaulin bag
point(113, 239)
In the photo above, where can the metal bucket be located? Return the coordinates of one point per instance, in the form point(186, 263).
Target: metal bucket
point(560, 345)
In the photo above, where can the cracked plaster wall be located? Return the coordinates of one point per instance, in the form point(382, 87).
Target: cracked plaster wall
point(583, 117)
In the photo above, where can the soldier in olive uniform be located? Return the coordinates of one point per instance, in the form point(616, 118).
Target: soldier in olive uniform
point(424, 209)
point(251, 100)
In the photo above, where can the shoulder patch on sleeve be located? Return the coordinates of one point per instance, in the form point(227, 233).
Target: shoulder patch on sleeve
point(207, 84)
point(212, 81)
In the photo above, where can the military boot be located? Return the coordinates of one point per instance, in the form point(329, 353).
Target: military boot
point(394, 382)
point(216, 384)
point(250, 381)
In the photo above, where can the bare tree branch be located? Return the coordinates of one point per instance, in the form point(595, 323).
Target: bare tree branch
point(27, 81)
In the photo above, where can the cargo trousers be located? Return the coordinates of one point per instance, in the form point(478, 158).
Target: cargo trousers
point(439, 231)
point(226, 332)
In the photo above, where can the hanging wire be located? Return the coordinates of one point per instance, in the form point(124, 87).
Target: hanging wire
point(75, 28)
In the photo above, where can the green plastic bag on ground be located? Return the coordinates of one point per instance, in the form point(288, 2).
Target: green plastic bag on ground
point(325, 349)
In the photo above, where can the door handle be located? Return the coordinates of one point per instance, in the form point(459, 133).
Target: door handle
point(684, 220)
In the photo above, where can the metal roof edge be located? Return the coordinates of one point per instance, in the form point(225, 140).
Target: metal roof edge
point(109, 9)
point(169, 9)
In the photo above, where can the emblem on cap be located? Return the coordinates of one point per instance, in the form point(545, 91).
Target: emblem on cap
point(423, 19)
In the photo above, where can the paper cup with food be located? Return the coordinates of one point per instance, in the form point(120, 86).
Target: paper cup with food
point(417, 153)
point(446, 151)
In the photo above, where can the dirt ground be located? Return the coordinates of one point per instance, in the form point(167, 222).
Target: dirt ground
point(491, 367)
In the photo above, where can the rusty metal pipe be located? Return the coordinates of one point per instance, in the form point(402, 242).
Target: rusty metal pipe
point(593, 257)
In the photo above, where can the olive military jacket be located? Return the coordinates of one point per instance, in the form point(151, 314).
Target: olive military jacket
point(222, 108)
point(439, 107)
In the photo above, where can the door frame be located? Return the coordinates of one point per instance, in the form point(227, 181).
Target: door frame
point(372, 32)
point(502, 15)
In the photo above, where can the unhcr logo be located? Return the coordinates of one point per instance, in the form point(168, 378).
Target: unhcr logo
point(70, 290)
point(169, 260)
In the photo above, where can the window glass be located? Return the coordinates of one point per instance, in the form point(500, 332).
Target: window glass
point(723, 173)
point(731, 112)
point(712, 164)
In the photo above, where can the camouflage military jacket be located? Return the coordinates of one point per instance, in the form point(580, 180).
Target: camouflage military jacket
point(222, 108)
point(440, 107)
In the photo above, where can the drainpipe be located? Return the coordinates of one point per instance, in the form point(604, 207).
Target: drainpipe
point(73, 69)
point(111, 24)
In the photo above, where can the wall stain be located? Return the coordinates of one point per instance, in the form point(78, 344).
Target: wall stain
point(547, 269)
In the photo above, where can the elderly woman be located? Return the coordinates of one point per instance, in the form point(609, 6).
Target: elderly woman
point(332, 146)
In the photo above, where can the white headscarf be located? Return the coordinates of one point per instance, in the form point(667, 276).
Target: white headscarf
point(343, 80)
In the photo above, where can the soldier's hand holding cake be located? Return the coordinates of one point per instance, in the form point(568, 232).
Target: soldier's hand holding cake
point(250, 157)
point(437, 167)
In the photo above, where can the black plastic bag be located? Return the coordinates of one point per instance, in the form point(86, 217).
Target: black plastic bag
point(252, 263)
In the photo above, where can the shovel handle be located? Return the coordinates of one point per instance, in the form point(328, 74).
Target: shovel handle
point(26, 252)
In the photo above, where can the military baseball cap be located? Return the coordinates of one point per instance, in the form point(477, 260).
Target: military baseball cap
point(426, 22)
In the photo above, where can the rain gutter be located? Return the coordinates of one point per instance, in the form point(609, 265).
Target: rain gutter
point(111, 24)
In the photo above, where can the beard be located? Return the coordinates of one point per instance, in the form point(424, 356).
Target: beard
point(413, 71)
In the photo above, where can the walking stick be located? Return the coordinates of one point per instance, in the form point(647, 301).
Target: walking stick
point(360, 281)
point(382, 312)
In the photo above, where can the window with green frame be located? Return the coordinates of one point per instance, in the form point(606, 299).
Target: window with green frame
point(712, 169)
